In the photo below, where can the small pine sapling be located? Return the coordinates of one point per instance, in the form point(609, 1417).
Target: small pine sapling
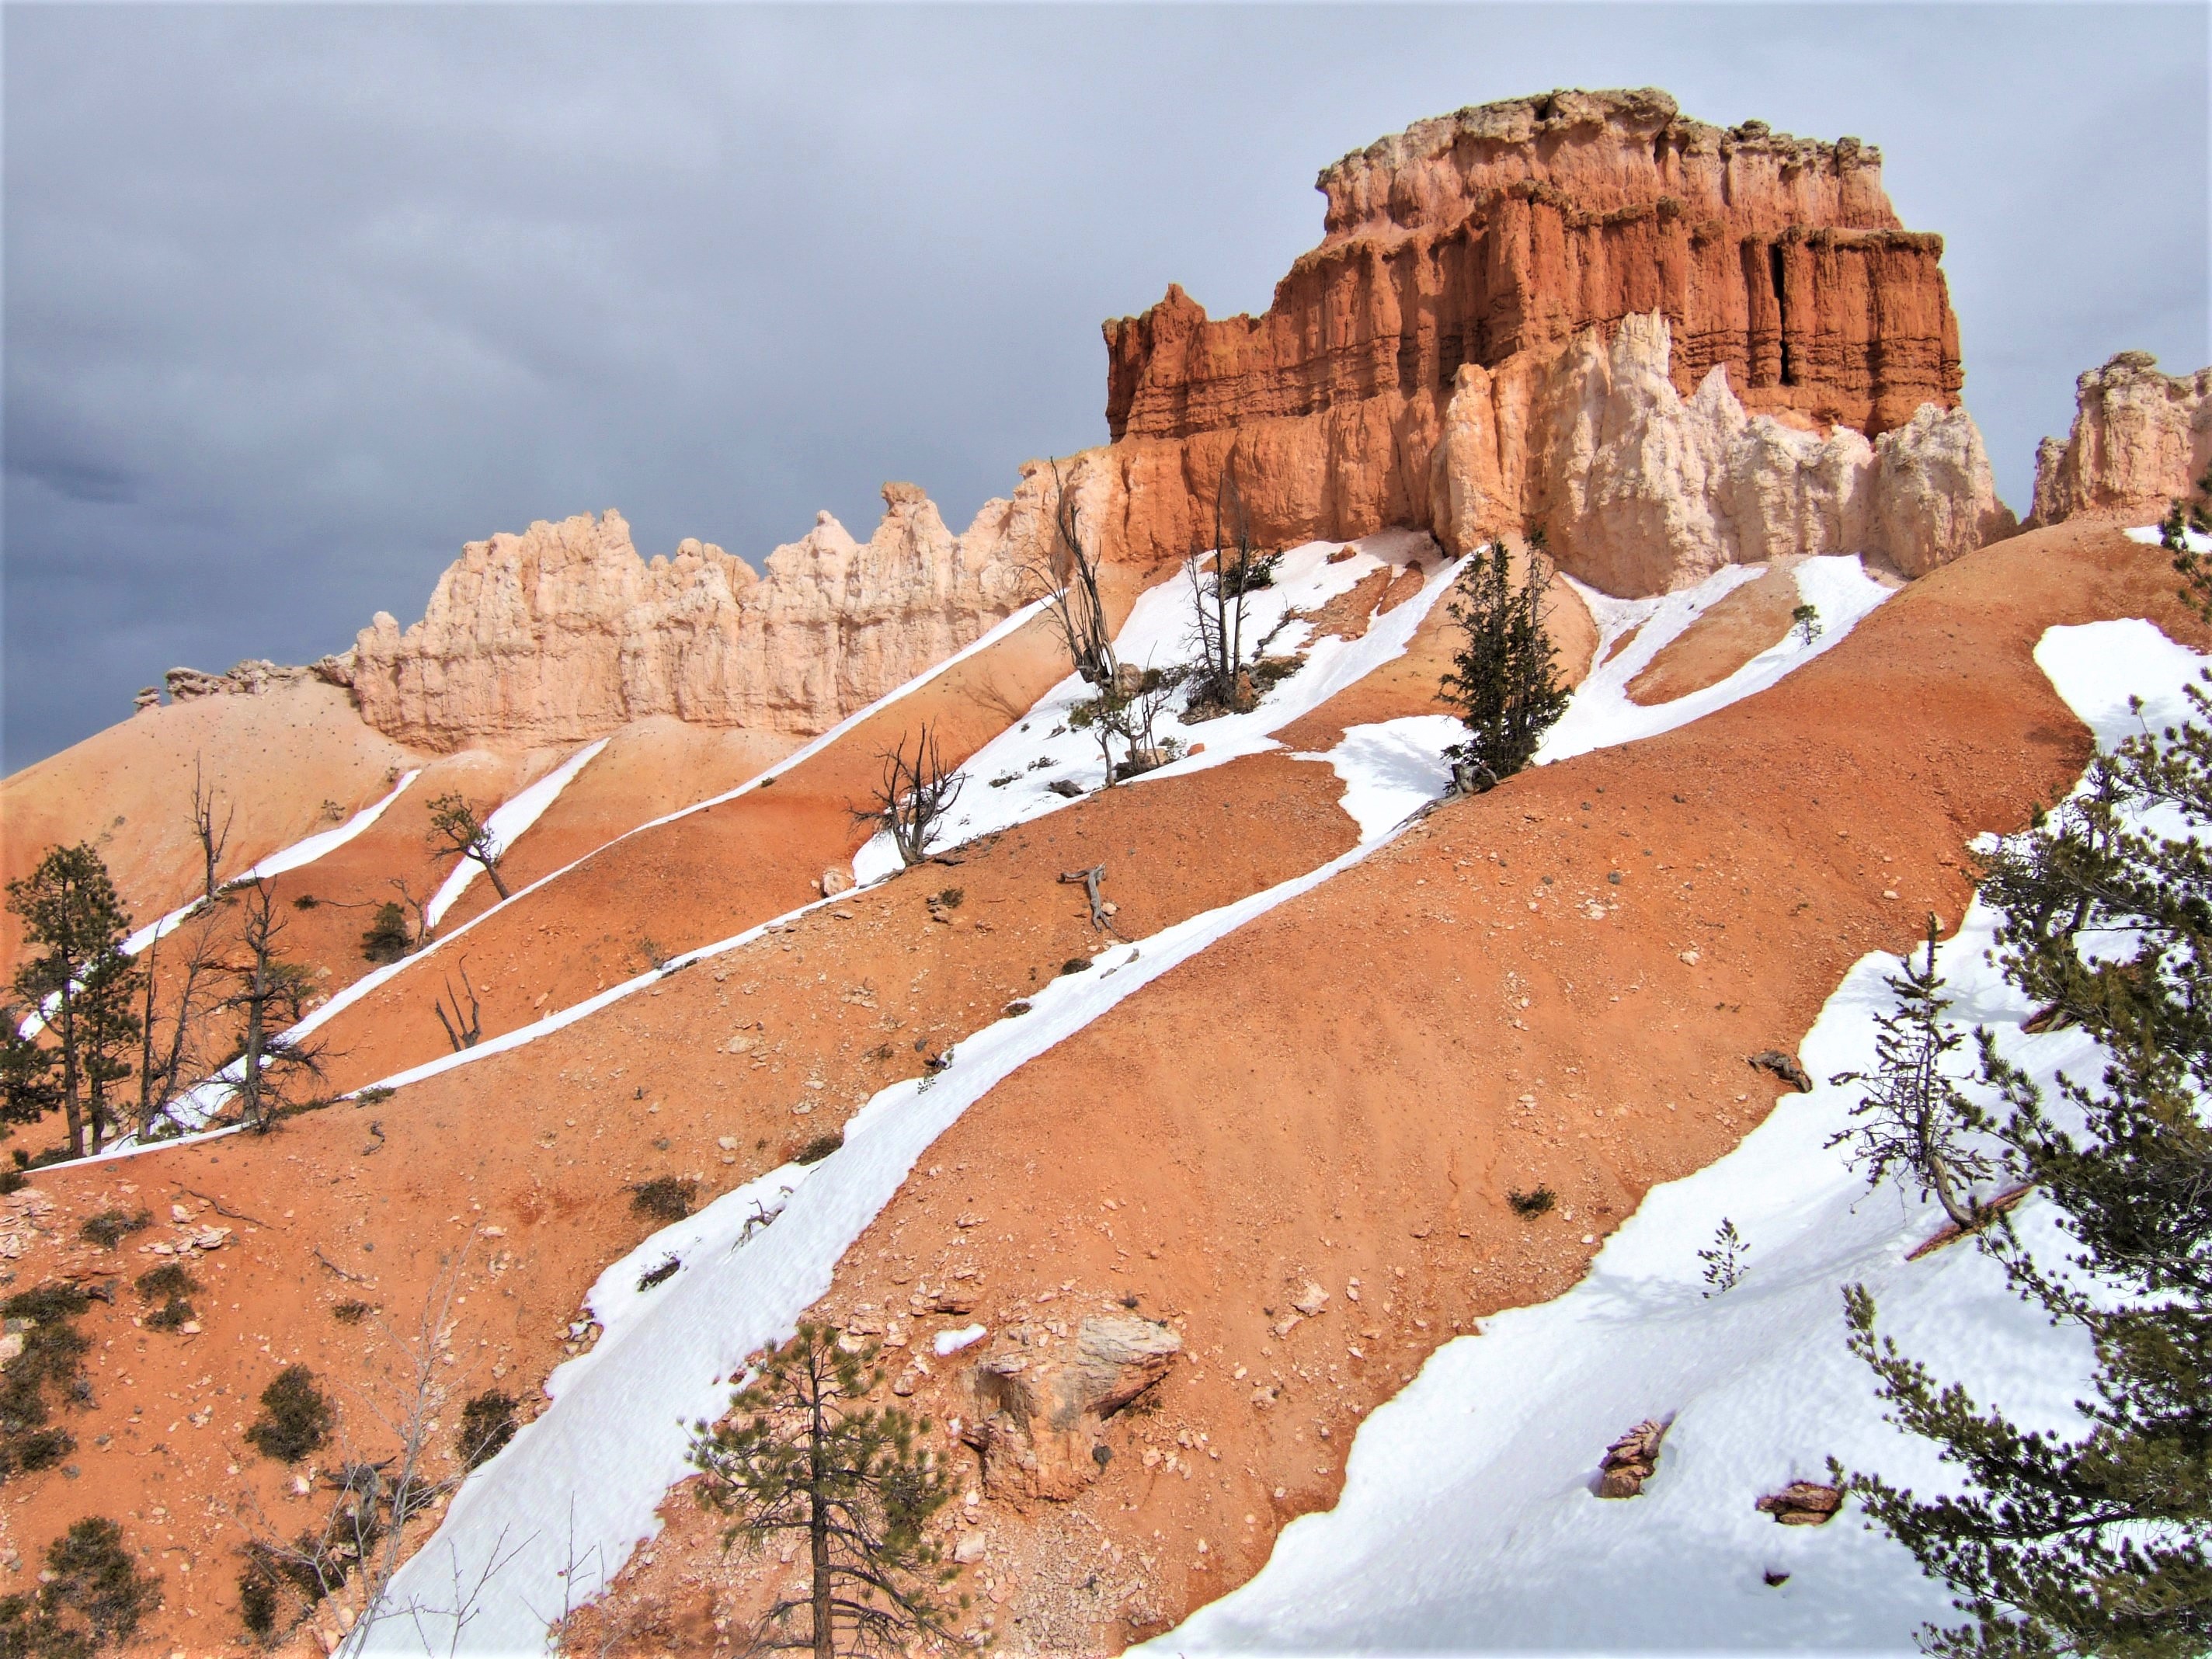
point(1724, 1259)
point(1913, 1116)
point(1805, 623)
point(1505, 679)
point(803, 1454)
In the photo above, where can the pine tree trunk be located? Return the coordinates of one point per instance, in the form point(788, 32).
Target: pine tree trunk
point(72, 1105)
point(255, 1005)
point(498, 886)
point(818, 1536)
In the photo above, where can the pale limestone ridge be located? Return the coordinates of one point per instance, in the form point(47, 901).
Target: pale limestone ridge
point(1642, 490)
point(2140, 439)
point(563, 634)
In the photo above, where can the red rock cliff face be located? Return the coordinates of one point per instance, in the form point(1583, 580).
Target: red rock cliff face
point(1493, 237)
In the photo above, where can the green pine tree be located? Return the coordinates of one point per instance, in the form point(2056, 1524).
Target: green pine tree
point(1504, 679)
point(74, 925)
point(1914, 1115)
point(2094, 1541)
point(802, 1453)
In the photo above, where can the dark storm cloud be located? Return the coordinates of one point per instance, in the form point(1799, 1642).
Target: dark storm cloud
point(297, 299)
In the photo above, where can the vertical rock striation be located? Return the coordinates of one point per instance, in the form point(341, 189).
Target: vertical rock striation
point(2140, 439)
point(1462, 257)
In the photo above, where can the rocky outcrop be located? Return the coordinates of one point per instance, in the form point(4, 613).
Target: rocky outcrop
point(1642, 490)
point(251, 678)
point(563, 633)
point(1491, 241)
point(1039, 1408)
point(1631, 1459)
point(2140, 440)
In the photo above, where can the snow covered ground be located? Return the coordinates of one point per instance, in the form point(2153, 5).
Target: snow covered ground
point(1009, 780)
point(1467, 1522)
point(1836, 585)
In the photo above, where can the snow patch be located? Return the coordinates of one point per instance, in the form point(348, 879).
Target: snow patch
point(507, 824)
point(1837, 586)
point(1469, 1502)
point(1010, 779)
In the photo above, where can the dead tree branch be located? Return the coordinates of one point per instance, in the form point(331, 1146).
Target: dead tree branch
point(462, 1033)
point(1101, 913)
point(211, 839)
point(913, 796)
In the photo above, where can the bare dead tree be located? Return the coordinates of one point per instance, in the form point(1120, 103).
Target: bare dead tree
point(165, 1059)
point(361, 1538)
point(212, 840)
point(1069, 577)
point(418, 907)
point(270, 989)
point(1218, 595)
point(912, 796)
point(461, 1033)
point(455, 828)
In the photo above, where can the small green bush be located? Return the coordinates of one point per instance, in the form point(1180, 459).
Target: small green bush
point(257, 1602)
point(170, 1314)
point(663, 1198)
point(488, 1423)
point(170, 1279)
point(295, 1417)
point(94, 1595)
point(1537, 1203)
point(951, 898)
point(350, 1312)
point(387, 939)
point(111, 1227)
point(820, 1147)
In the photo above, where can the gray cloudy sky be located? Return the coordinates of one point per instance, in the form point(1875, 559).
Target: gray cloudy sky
point(299, 299)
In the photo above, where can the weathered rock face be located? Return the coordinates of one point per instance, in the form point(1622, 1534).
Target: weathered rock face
point(1466, 254)
point(1642, 490)
point(2140, 439)
point(1039, 1410)
point(563, 633)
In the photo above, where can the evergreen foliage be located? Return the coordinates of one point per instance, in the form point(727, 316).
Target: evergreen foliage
point(2094, 1541)
point(73, 930)
point(1505, 679)
point(1913, 1116)
point(51, 1363)
point(295, 1417)
point(802, 1453)
point(386, 938)
point(92, 1596)
point(488, 1423)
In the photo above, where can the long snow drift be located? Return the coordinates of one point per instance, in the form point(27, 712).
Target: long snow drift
point(1468, 1520)
point(506, 826)
point(301, 851)
point(1836, 585)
